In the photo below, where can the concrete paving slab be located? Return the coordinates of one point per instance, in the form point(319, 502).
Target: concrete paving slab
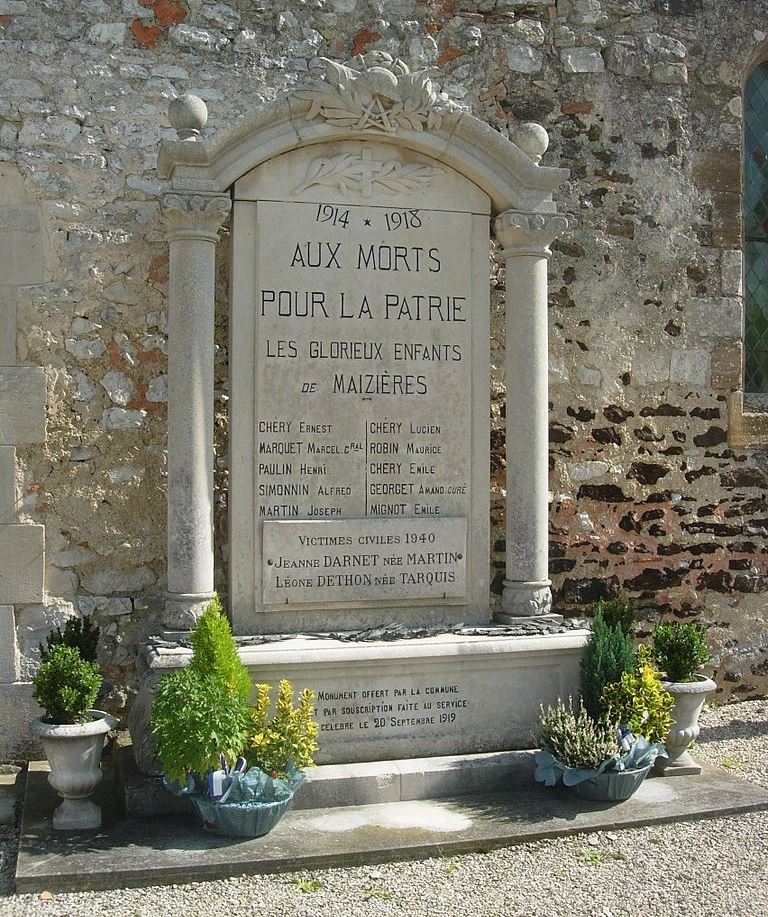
point(173, 849)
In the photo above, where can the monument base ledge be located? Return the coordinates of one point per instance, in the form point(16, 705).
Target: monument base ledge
point(502, 617)
point(444, 694)
point(363, 784)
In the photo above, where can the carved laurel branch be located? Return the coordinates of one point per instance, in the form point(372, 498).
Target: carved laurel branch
point(352, 174)
point(383, 96)
point(361, 110)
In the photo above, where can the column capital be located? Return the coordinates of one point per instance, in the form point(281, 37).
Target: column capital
point(528, 233)
point(194, 216)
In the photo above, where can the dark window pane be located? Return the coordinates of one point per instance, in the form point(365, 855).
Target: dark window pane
point(756, 231)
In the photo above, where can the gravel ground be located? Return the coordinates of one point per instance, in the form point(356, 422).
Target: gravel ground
point(689, 869)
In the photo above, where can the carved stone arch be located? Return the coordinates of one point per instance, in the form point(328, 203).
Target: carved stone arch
point(511, 177)
point(377, 98)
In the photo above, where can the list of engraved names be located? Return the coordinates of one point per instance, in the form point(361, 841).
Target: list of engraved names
point(364, 363)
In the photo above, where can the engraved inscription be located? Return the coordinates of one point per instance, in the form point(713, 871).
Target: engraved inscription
point(355, 559)
point(363, 395)
point(390, 709)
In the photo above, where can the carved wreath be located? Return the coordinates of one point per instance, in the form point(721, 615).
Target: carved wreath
point(382, 95)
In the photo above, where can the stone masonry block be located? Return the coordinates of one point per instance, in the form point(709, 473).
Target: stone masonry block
point(9, 652)
point(690, 367)
point(731, 271)
point(21, 246)
point(727, 362)
point(17, 710)
point(582, 60)
point(669, 73)
point(714, 318)
point(33, 624)
point(22, 557)
point(7, 485)
point(726, 219)
point(719, 170)
point(9, 789)
point(22, 405)
point(7, 325)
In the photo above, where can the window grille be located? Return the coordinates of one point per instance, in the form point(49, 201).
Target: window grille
point(756, 231)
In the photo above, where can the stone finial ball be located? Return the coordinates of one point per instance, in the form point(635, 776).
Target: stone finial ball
point(532, 139)
point(188, 114)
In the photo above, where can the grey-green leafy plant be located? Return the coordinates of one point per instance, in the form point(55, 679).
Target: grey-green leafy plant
point(679, 648)
point(574, 738)
point(608, 654)
point(66, 685)
point(79, 633)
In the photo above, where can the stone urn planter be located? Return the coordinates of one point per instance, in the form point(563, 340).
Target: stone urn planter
point(689, 699)
point(74, 754)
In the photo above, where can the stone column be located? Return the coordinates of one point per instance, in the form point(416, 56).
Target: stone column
point(193, 222)
point(525, 240)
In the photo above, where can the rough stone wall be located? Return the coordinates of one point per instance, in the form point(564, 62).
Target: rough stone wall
point(642, 100)
point(25, 258)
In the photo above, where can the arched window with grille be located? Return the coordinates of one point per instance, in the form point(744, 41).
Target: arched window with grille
point(756, 230)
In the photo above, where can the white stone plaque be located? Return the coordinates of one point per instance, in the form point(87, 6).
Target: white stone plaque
point(368, 559)
point(360, 381)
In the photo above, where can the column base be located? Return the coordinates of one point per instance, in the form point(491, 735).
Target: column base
point(526, 600)
point(682, 766)
point(184, 610)
point(77, 815)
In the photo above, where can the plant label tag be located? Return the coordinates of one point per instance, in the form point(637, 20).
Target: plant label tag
point(216, 782)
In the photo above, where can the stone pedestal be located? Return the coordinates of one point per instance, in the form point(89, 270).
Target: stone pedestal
point(451, 694)
point(74, 754)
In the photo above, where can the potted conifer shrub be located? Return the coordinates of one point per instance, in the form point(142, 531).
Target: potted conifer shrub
point(238, 764)
point(679, 649)
point(609, 652)
point(71, 731)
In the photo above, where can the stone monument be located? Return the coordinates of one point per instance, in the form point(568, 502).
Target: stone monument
point(359, 368)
